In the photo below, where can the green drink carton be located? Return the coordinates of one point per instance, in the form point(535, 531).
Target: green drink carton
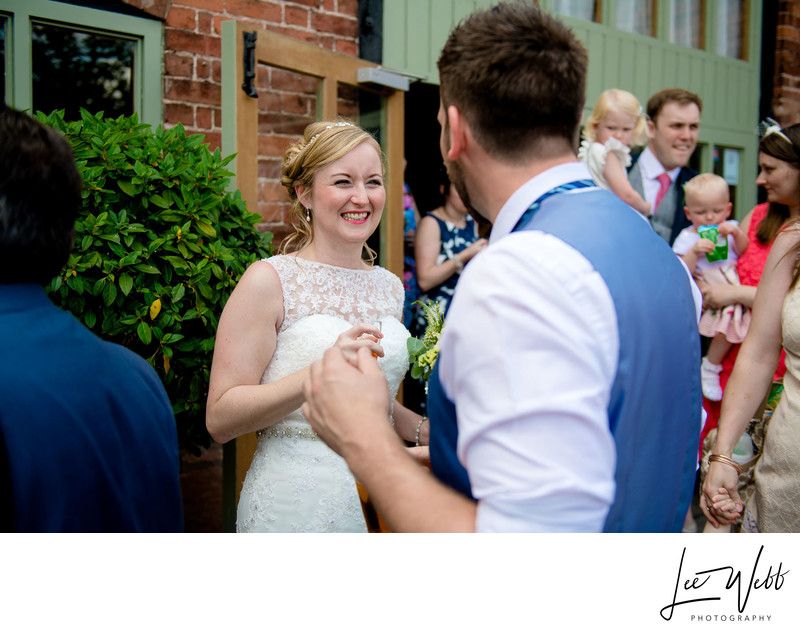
point(720, 253)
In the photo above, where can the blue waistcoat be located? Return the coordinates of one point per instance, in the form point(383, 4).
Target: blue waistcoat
point(654, 405)
point(90, 437)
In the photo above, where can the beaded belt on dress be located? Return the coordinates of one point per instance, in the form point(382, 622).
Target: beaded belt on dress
point(288, 432)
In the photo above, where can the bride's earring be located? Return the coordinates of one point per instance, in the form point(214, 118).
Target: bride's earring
point(308, 214)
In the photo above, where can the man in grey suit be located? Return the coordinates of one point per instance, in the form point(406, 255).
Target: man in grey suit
point(660, 171)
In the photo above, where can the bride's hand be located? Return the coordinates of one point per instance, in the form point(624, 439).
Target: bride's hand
point(361, 335)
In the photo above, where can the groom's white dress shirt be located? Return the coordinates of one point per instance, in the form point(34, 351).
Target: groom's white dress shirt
point(529, 353)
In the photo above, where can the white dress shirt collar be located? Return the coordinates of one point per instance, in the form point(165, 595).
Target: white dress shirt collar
point(534, 188)
point(652, 168)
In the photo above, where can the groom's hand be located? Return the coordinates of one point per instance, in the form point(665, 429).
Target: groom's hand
point(347, 405)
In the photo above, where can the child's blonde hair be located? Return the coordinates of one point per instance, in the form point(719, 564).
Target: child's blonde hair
point(617, 101)
point(706, 183)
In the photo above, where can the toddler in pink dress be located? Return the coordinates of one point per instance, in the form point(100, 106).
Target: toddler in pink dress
point(708, 206)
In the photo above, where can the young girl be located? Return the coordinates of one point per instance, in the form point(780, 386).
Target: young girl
point(616, 124)
point(708, 204)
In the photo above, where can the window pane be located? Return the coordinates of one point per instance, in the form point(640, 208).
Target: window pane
point(729, 28)
point(74, 69)
point(635, 16)
point(726, 164)
point(686, 20)
point(583, 9)
point(3, 23)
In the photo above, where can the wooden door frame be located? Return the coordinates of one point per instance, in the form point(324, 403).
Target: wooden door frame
point(240, 137)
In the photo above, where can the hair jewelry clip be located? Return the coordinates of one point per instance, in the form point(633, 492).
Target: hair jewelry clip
point(769, 126)
point(327, 127)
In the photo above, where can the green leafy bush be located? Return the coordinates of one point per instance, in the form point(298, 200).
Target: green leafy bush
point(159, 245)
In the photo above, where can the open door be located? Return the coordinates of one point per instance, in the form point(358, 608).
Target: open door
point(273, 86)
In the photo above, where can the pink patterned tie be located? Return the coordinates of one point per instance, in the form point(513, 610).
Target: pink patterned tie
point(665, 182)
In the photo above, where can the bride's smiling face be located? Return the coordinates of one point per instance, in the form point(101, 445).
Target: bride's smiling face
point(347, 196)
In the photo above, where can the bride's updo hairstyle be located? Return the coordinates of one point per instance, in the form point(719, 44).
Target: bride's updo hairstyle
point(323, 142)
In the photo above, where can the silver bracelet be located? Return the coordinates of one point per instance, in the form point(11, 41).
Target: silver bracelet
point(419, 427)
point(459, 264)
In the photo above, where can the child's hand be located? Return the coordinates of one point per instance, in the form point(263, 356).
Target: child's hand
point(727, 228)
point(703, 246)
point(723, 504)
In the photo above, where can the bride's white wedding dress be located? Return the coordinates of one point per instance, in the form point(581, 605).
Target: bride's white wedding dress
point(296, 483)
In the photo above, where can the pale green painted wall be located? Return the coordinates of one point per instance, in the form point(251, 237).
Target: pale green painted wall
point(415, 30)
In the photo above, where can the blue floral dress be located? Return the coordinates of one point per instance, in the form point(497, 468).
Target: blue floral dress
point(454, 240)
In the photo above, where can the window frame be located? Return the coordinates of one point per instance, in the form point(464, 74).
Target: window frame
point(148, 49)
point(701, 27)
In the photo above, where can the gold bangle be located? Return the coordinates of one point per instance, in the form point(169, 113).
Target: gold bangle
point(726, 460)
point(419, 427)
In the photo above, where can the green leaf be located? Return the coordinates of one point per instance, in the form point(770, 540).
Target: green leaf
point(147, 269)
point(144, 332)
point(206, 228)
point(176, 262)
point(159, 201)
point(127, 187)
point(125, 283)
point(109, 294)
point(178, 292)
point(415, 346)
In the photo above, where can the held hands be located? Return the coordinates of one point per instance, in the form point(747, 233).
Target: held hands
point(362, 335)
point(720, 500)
point(347, 403)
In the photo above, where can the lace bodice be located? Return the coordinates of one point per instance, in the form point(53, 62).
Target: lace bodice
point(322, 301)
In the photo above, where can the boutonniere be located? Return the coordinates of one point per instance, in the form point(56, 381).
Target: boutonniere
point(423, 353)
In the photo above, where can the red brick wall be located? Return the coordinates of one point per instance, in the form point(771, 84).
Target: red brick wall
point(786, 99)
point(193, 72)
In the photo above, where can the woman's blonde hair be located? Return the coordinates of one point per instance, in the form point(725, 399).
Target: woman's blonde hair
point(617, 101)
point(322, 143)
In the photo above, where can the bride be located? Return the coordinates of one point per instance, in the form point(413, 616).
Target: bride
point(285, 312)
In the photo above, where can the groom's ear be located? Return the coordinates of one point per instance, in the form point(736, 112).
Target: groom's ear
point(457, 126)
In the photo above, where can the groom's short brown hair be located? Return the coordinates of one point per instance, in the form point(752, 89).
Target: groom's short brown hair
point(518, 76)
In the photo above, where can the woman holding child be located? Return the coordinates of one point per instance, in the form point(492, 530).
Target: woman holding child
point(774, 247)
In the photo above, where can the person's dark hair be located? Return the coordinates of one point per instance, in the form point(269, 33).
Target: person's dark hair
point(777, 146)
point(518, 76)
point(671, 95)
point(40, 190)
point(442, 181)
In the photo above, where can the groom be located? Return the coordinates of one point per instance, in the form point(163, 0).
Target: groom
point(567, 386)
